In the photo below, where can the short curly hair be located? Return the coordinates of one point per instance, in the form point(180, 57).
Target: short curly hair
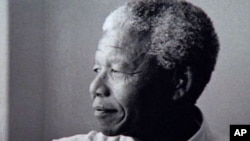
point(180, 34)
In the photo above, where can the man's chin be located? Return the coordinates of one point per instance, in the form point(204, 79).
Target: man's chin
point(120, 127)
point(114, 130)
point(110, 131)
point(119, 131)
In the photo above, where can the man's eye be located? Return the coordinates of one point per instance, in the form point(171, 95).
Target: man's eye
point(96, 70)
point(114, 71)
point(117, 74)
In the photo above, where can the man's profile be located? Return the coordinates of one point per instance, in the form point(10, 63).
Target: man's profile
point(152, 63)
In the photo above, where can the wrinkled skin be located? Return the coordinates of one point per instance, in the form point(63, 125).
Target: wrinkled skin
point(126, 90)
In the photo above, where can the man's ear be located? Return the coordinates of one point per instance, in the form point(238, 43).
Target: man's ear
point(183, 81)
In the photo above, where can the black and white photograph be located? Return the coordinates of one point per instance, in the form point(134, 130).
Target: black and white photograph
point(124, 70)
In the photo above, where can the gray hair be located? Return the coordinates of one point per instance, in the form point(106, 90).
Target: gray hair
point(180, 34)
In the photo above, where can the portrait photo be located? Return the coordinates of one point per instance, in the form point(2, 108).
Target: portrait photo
point(115, 70)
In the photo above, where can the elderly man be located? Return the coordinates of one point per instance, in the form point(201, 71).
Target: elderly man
point(152, 63)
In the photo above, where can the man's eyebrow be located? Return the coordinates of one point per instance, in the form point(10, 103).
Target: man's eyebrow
point(117, 47)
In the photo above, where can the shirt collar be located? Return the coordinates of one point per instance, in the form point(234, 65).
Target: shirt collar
point(203, 134)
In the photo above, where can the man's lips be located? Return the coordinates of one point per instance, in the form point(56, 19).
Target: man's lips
point(101, 111)
point(107, 114)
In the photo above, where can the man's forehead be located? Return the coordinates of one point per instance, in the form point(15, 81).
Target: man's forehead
point(121, 41)
point(115, 53)
point(116, 40)
point(123, 37)
point(125, 51)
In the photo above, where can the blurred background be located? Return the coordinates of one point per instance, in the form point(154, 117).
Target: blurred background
point(46, 55)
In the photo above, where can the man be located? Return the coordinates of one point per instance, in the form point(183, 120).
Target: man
point(152, 63)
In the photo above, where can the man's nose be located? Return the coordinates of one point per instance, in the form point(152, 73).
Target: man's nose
point(98, 87)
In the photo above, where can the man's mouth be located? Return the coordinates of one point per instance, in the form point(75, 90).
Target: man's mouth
point(101, 111)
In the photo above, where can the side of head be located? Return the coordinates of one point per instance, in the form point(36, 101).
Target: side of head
point(173, 40)
point(179, 35)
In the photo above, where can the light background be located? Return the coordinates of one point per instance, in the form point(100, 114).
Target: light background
point(4, 70)
point(52, 45)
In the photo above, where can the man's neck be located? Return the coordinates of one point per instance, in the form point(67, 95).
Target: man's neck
point(180, 125)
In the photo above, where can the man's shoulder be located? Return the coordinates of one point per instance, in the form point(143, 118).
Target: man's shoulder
point(95, 136)
point(79, 137)
point(207, 133)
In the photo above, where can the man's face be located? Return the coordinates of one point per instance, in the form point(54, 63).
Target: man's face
point(120, 83)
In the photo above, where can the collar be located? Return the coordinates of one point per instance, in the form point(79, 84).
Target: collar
point(204, 133)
